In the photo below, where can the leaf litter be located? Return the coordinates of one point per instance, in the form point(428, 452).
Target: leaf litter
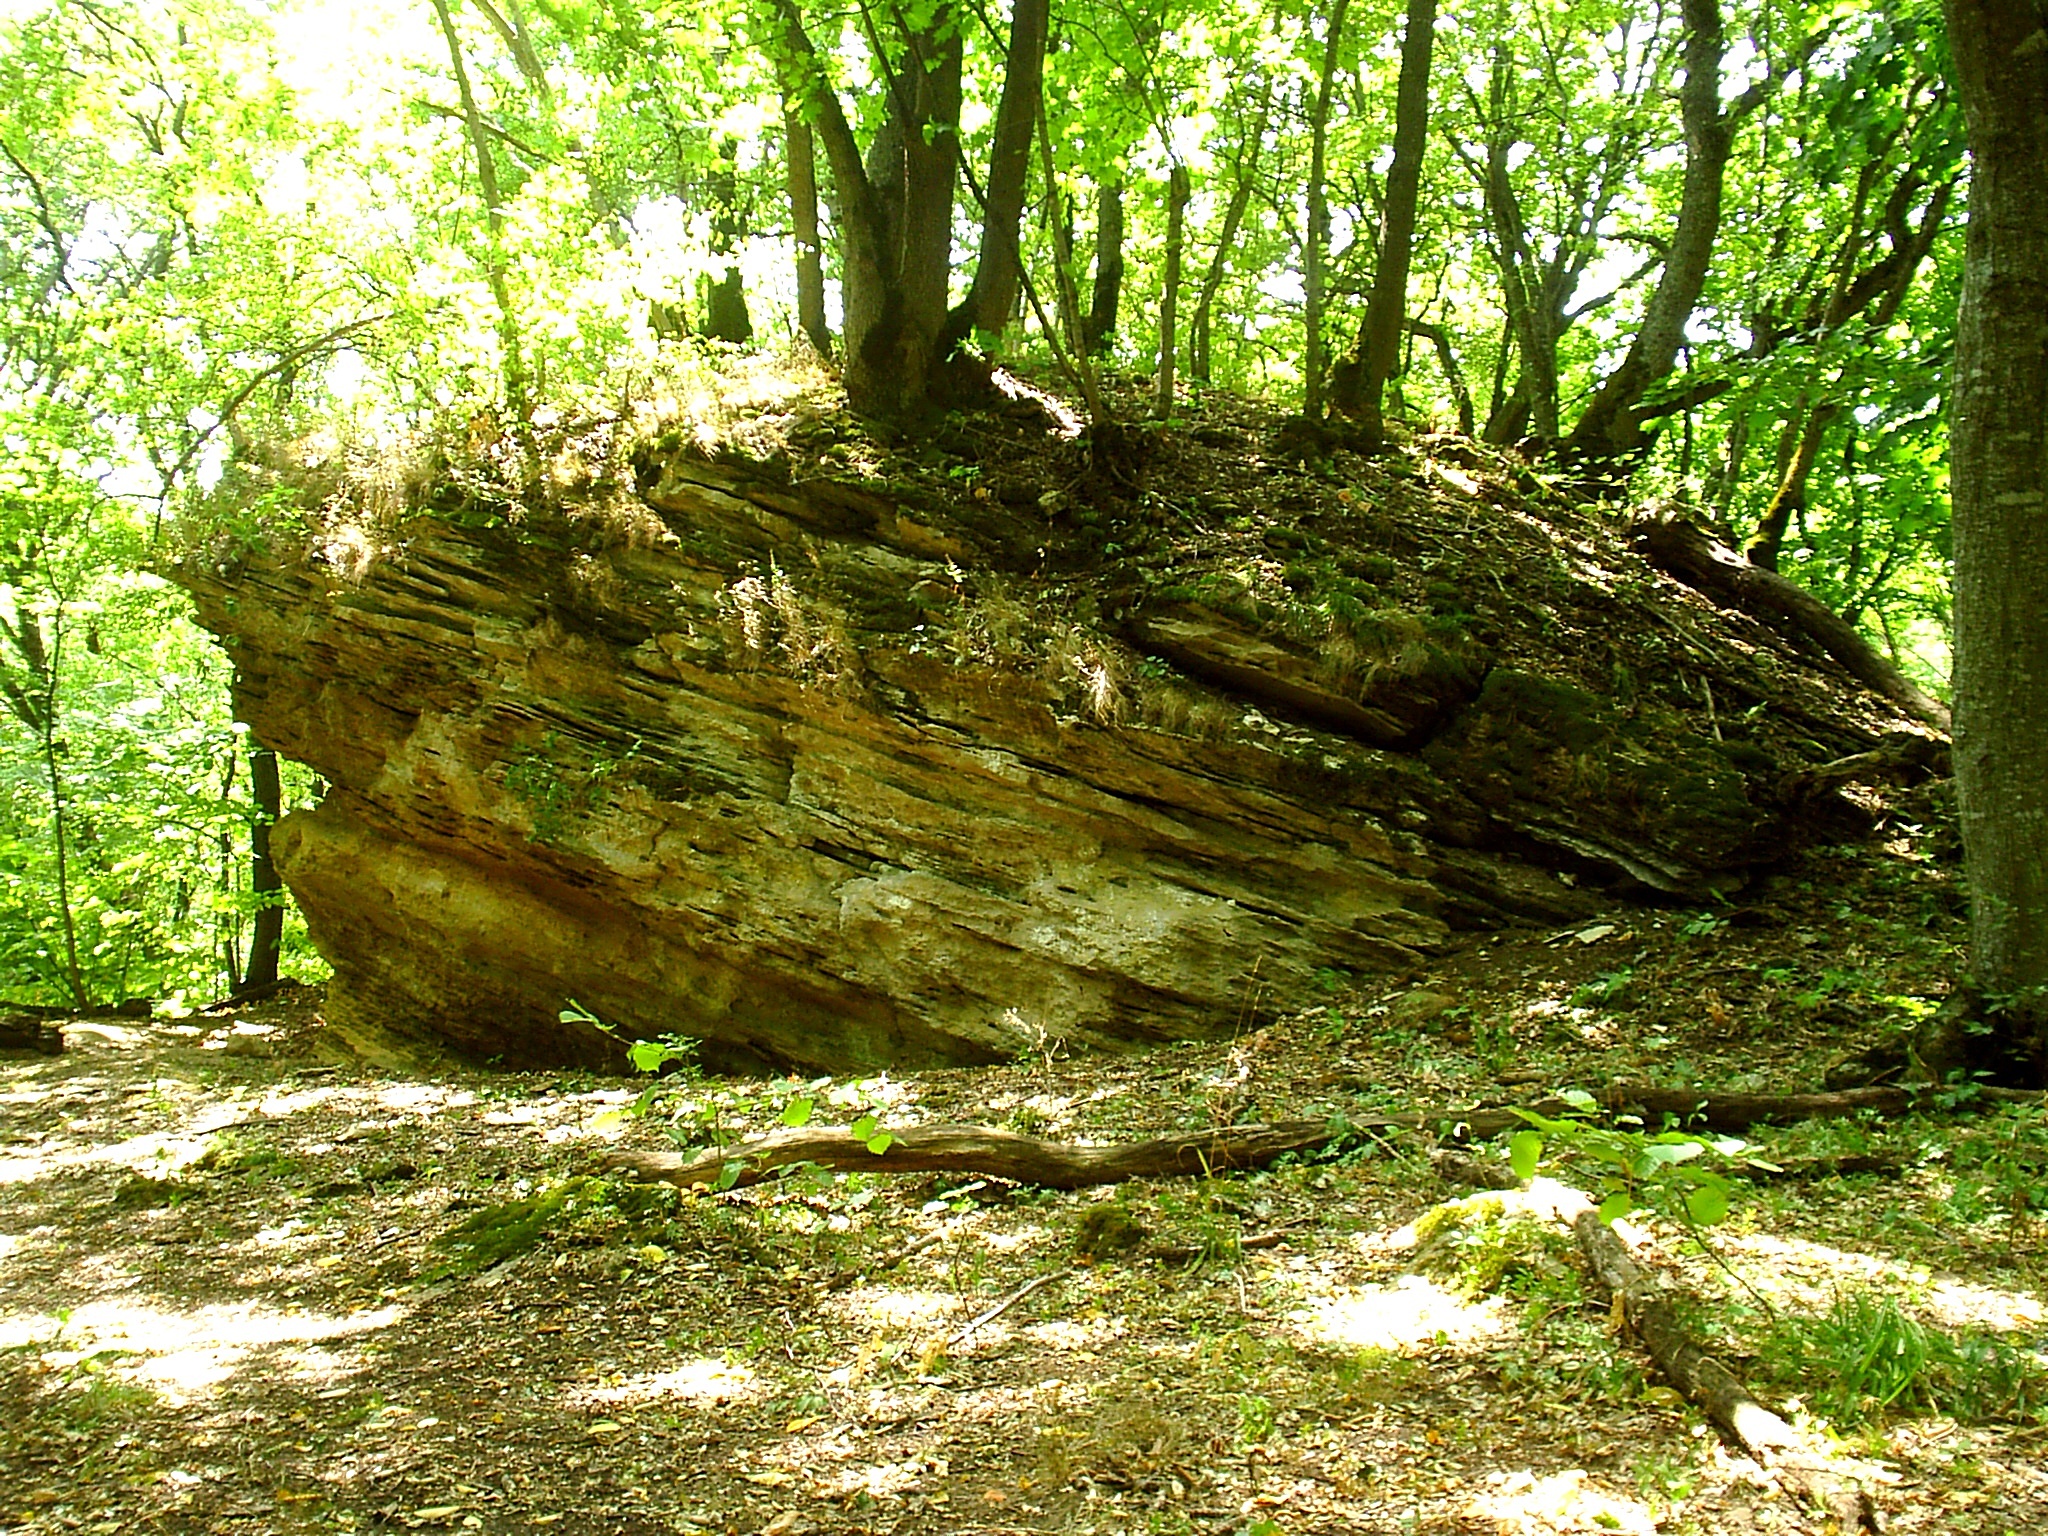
point(277, 1292)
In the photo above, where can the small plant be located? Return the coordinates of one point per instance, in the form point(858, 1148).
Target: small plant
point(1604, 989)
point(1870, 1358)
point(1256, 1418)
point(1637, 1167)
point(1483, 1249)
point(557, 790)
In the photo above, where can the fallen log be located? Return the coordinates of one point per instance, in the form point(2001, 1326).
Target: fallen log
point(1692, 1109)
point(1837, 1486)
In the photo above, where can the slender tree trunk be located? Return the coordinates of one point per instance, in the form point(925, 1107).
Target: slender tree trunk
point(512, 357)
point(60, 837)
point(267, 933)
point(1880, 290)
point(1387, 310)
point(803, 218)
point(1107, 293)
point(1803, 439)
point(1447, 360)
point(1177, 193)
point(1063, 274)
point(1199, 357)
point(1610, 430)
point(725, 308)
point(1999, 481)
point(999, 273)
point(1060, 224)
point(1318, 235)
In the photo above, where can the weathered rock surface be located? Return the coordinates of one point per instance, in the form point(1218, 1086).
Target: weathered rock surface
point(842, 775)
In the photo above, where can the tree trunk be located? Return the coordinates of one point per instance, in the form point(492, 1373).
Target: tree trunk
point(803, 219)
point(1789, 501)
point(1447, 361)
point(1684, 550)
point(999, 274)
point(1109, 268)
point(1610, 431)
point(895, 210)
point(725, 306)
point(1200, 361)
point(1318, 234)
point(1999, 480)
point(1881, 290)
point(267, 933)
point(1388, 307)
point(511, 353)
point(1177, 193)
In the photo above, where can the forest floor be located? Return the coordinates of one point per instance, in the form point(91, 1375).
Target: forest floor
point(229, 1302)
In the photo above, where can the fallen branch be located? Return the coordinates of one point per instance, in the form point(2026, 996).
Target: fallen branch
point(967, 1332)
point(1007, 1155)
point(1000, 1154)
point(1835, 1485)
point(1689, 552)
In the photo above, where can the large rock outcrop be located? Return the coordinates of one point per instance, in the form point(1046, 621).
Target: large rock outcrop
point(842, 771)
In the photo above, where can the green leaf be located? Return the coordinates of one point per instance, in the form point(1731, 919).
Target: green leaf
point(864, 1127)
point(880, 1143)
point(1580, 1100)
point(1615, 1206)
point(798, 1111)
point(729, 1175)
point(1525, 1151)
point(1707, 1204)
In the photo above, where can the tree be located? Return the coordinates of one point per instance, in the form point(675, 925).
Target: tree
point(1999, 482)
point(895, 202)
point(1610, 430)
point(1586, 131)
point(1386, 316)
point(1315, 244)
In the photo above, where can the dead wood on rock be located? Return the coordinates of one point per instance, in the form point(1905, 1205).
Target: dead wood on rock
point(1687, 551)
point(29, 1032)
point(1652, 1316)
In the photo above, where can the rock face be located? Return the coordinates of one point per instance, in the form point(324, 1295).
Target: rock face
point(844, 775)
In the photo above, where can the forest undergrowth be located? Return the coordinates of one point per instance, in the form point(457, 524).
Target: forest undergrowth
point(247, 1287)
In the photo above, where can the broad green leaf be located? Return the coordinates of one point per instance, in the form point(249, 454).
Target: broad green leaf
point(880, 1143)
point(1707, 1204)
point(1525, 1151)
point(797, 1112)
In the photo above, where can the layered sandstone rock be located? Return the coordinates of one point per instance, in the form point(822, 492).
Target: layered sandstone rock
point(831, 775)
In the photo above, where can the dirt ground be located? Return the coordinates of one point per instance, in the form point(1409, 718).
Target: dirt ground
point(230, 1301)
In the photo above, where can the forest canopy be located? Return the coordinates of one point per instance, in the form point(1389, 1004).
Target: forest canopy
point(1700, 252)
